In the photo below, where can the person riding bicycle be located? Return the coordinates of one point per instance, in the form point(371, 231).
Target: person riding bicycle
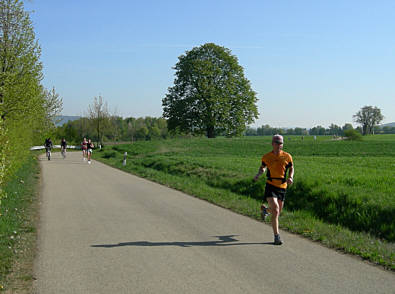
point(48, 146)
point(63, 146)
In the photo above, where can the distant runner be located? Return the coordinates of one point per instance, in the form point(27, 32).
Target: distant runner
point(90, 147)
point(277, 163)
point(84, 149)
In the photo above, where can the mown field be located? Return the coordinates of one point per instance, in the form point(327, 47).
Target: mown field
point(343, 196)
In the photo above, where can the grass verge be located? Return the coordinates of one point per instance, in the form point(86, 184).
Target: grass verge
point(302, 222)
point(18, 215)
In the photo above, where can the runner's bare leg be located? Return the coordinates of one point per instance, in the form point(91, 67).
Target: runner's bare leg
point(275, 210)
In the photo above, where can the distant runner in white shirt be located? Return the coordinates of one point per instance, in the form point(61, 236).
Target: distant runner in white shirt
point(90, 147)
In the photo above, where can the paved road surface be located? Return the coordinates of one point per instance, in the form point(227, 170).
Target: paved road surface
point(105, 231)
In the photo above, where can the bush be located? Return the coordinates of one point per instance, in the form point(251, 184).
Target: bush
point(109, 154)
point(353, 135)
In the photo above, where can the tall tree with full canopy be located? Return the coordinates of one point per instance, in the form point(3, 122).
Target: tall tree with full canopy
point(368, 117)
point(210, 94)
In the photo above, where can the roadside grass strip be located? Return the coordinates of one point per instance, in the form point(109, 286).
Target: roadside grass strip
point(343, 194)
point(17, 228)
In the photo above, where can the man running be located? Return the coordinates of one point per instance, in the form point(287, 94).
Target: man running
point(84, 148)
point(277, 163)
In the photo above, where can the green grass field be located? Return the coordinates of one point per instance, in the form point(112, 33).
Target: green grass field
point(344, 191)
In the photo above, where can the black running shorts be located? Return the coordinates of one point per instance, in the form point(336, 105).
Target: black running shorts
point(275, 192)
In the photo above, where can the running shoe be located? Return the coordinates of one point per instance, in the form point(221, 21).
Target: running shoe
point(277, 240)
point(264, 212)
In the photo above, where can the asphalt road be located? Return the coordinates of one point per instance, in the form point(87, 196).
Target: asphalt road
point(106, 231)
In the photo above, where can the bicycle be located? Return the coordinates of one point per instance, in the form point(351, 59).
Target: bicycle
point(63, 152)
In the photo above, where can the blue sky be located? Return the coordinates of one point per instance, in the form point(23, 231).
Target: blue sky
point(310, 62)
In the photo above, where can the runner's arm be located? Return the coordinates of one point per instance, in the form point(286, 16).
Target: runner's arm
point(290, 179)
point(261, 170)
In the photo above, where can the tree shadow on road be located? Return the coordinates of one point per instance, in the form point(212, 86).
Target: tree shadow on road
point(63, 161)
point(227, 240)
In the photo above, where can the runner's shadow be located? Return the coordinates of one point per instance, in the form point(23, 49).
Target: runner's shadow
point(223, 241)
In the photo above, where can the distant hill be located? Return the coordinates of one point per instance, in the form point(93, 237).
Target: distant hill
point(62, 119)
point(388, 125)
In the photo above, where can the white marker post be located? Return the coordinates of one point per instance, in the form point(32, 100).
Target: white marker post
point(124, 158)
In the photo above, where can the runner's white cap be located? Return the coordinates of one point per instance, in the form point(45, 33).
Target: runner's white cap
point(278, 138)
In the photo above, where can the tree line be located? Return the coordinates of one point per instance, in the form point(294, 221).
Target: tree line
point(332, 130)
point(101, 126)
point(266, 130)
point(27, 108)
point(368, 117)
point(113, 129)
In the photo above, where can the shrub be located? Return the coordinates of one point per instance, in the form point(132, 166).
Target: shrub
point(109, 154)
point(353, 135)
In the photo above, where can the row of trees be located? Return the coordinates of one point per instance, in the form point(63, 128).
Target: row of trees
point(100, 125)
point(27, 109)
point(113, 129)
point(318, 130)
point(267, 130)
point(333, 130)
point(384, 130)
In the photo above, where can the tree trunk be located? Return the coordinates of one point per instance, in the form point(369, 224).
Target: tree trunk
point(364, 129)
point(210, 132)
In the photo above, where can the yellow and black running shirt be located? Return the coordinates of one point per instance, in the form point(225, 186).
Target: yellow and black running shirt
point(277, 166)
